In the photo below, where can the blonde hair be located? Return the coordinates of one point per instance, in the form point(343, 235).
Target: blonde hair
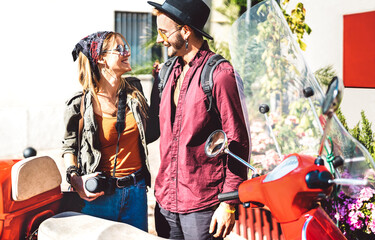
point(90, 81)
point(86, 75)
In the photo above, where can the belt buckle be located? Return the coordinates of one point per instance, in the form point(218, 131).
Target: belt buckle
point(126, 180)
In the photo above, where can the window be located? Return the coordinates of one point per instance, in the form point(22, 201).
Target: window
point(138, 30)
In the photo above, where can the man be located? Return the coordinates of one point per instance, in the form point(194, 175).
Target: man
point(188, 182)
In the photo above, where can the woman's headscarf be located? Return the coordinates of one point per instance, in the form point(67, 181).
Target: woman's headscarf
point(91, 47)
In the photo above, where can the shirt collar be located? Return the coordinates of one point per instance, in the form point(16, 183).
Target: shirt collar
point(198, 58)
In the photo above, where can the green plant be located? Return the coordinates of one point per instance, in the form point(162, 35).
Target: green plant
point(325, 75)
point(149, 45)
point(142, 69)
point(232, 9)
point(362, 131)
point(296, 21)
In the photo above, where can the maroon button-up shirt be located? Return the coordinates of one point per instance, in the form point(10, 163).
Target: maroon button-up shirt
point(188, 180)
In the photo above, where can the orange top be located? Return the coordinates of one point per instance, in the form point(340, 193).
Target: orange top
point(129, 158)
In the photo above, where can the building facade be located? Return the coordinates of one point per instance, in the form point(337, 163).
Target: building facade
point(38, 73)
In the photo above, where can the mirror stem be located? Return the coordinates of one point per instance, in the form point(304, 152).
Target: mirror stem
point(241, 160)
point(273, 137)
point(327, 126)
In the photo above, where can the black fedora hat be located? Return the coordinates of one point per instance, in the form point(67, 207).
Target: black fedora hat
point(193, 13)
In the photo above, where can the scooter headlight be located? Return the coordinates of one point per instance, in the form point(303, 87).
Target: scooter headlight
point(286, 166)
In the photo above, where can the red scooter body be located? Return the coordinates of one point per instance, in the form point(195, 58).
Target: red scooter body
point(292, 203)
point(19, 219)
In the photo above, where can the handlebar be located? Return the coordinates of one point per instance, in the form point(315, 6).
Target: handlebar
point(228, 196)
point(347, 182)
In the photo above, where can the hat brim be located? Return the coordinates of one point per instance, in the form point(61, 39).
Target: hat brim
point(161, 9)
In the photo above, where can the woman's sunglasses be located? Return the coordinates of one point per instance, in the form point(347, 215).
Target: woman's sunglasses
point(123, 50)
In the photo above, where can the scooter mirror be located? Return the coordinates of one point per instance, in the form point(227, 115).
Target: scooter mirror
point(333, 97)
point(330, 105)
point(216, 143)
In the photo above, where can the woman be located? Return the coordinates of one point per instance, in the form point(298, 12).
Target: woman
point(105, 128)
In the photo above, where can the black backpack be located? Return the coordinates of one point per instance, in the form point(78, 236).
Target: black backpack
point(205, 78)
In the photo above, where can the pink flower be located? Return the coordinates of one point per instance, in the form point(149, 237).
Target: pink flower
point(274, 118)
point(351, 206)
point(358, 204)
point(366, 194)
point(371, 225)
point(257, 127)
point(370, 206)
point(260, 147)
point(355, 215)
point(355, 221)
point(291, 120)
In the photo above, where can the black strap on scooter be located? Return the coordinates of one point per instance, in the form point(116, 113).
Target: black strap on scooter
point(120, 124)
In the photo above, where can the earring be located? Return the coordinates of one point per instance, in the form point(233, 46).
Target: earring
point(186, 44)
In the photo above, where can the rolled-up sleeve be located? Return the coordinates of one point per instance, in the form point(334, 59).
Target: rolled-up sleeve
point(72, 116)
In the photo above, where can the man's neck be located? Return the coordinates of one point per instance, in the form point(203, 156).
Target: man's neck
point(193, 50)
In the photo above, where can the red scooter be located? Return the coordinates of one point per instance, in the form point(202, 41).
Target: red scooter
point(29, 194)
point(293, 189)
point(294, 117)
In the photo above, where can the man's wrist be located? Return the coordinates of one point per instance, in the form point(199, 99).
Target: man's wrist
point(229, 208)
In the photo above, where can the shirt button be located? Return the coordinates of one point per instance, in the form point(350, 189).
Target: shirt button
point(173, 159)
point(174, 139)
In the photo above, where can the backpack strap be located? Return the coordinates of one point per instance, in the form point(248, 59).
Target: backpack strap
point(80, 128)
point(164, 73)
point(206, 78)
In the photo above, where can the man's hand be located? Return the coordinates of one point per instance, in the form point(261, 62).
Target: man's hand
point(156, 68)
point(78, 183)
point(223, 218)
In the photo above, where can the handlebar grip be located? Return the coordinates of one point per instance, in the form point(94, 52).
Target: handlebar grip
point(228, 196)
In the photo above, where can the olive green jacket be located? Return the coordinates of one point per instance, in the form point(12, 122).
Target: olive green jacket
point(90, 145)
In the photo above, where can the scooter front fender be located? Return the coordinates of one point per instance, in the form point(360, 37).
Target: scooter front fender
point(315, 224)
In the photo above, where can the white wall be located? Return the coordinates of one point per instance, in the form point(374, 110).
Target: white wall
point(37, 70)
point(325, 47)
point(38, 74)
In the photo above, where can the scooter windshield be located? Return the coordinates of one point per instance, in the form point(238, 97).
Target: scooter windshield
point(285, 100)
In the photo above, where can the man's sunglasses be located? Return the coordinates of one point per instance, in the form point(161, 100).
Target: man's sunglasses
point(165, 37)
point(123, 50)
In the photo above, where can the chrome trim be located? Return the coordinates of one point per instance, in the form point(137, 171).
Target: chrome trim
point(304, 237)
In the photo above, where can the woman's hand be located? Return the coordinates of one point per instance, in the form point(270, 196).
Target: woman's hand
point(156, 68)
point(223, 219)
point(78, 183)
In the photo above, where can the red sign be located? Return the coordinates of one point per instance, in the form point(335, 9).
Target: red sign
point(359, 50)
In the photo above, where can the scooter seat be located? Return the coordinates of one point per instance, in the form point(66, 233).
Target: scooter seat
point(72, 225)
point(33, 176)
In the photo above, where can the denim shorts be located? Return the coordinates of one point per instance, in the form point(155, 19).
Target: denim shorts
point(127, 205)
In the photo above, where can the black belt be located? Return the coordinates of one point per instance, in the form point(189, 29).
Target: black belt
point(128, 180)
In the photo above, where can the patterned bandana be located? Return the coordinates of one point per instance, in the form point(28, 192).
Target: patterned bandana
point(91, 47)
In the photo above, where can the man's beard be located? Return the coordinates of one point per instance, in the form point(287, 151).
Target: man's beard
point(176, 45)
